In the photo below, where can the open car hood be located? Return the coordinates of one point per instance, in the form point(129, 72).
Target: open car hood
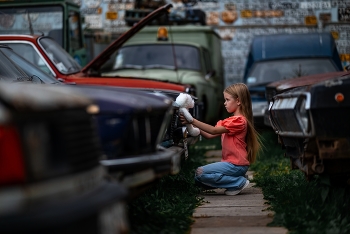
point(96, 63)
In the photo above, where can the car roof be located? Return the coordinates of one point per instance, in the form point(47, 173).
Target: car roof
point(19, 35)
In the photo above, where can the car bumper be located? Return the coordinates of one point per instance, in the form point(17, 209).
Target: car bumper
point(135, 171)
point(93, 212)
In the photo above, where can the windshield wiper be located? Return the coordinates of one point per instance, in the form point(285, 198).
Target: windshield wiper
point(22, 79)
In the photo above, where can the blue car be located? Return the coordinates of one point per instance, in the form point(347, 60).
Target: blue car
point(282, 56)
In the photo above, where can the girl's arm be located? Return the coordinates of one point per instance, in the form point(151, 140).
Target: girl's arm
point(208, 135)
point(208, 129)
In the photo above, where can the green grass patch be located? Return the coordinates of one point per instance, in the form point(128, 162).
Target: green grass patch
point(299, 205)
point(168, 206)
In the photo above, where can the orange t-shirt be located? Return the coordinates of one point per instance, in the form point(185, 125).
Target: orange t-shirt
point(233, 143)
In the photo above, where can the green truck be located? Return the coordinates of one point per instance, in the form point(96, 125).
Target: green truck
point(188, 54)
point(59, 19)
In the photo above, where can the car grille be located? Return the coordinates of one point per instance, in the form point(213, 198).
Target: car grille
point(58, 143)
point(170, 138)
point(174, 134)
point(145, 131)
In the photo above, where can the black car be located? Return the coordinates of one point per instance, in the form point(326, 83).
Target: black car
point(141, 125)
point(51, 179)
point(311, 120)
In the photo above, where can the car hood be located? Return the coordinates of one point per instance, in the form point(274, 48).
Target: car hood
point(96, 63)
point(159, 74)
point(40, 97)
point(131, 82)
point(287, 84)
point(323, 96)
point(123, 100)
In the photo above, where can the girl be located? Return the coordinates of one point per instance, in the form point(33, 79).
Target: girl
point(239, 140)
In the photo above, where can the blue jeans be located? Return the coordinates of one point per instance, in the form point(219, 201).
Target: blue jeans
point(221, 175)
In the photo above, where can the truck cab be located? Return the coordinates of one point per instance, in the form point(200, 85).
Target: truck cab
point(59, 19)
point(187, 54)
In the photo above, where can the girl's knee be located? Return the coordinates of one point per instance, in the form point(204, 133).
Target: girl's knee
point(199, 171)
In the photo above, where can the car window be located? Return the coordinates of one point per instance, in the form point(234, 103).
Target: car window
point(16, 19)
point(74, 30)
point(28, 52)
point(29, 68)
point(269, 71)
point(207, 61)
point(59, 57)
point(187, 57)
point(8, 70)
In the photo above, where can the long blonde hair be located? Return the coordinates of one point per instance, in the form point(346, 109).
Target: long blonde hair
point(240, 91)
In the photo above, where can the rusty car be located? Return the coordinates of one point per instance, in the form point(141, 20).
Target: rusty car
point(310, 116)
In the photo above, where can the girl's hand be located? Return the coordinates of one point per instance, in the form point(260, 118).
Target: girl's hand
point(183, 119)
point(187, 115)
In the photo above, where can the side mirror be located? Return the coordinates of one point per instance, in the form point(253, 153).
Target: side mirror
point(347, 68)
point(210, 74)
point(36, 80)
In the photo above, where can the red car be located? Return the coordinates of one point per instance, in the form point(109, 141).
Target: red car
point(52, 58)
point(46, 53)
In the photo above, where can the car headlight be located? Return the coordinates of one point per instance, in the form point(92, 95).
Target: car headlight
point(283, 114)
point(289, 114)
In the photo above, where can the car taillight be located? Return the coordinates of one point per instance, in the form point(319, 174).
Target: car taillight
point(11, 157)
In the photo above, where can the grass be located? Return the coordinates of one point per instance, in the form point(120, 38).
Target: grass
point(299, 205)
point(168, 206)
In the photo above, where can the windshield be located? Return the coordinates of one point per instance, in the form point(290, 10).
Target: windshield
point(156, 56)
point(28, 52)
point(269, 71)
point(8, 70)
point(28, 67)
point(64, 62)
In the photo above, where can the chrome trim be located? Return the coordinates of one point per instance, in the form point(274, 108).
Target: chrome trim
point(298, 95)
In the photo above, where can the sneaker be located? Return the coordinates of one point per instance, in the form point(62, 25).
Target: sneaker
point(235, 192)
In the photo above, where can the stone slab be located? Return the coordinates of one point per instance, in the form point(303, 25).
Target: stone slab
point(239, 197)
point(221, 192)
point(240, 230)
point(230, 211)
point(233, 203)
point(239, 221)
